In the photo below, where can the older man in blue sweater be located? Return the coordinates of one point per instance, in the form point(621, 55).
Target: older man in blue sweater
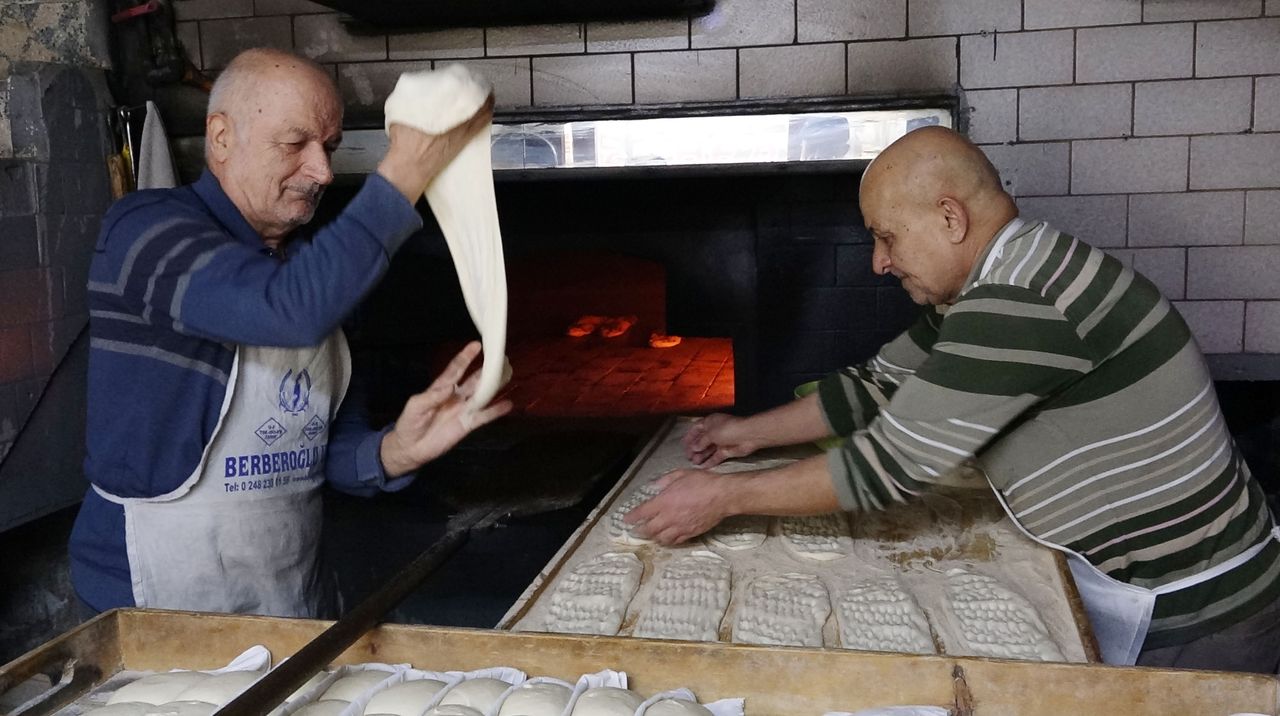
point(218, 368)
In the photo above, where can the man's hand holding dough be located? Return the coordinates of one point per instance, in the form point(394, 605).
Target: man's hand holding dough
point(416, 158)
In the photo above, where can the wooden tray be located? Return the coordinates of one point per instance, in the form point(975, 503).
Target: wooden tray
point(1052, 583)
point(774, 681)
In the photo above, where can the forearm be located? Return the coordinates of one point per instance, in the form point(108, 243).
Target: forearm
point(797, 422)
point(801, 488)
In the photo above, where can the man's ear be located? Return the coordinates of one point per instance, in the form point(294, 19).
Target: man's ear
point(956, 218)
point(219, 136)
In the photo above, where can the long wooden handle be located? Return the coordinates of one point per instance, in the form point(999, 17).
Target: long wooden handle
point(286, 678)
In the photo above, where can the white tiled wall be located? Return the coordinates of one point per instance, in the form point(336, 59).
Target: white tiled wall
point(1149, 127)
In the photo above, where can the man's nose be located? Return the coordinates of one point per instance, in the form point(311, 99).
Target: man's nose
point(316, 164)
point(880, 262)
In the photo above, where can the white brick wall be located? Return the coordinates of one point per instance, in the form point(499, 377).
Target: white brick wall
point(1149, 127)
point(1075, 112)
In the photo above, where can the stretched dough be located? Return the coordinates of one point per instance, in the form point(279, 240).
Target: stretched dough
point(124, 708)
point(607, 701)
point(541, 699)
point(351, 686)
point(157, 688)
point(462, 199)
point(677, 707)
point(220, 689)
point(405, 699)
point(479, 694)
point(322, 708)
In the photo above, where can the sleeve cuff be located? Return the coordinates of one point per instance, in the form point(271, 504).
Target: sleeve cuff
point(385, 212)
point(833, 404)
point(369, 470)
point(840, 481)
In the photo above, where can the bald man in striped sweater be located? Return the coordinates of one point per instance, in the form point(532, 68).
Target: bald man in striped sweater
point(1066, 377)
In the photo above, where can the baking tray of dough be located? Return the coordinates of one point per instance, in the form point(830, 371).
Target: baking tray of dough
point(917, 544)
point(775, 681)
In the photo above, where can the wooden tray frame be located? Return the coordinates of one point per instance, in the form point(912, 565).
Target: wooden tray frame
point(776, 681)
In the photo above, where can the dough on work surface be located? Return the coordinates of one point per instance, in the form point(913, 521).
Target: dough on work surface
point(593, 598)
point(220, 689)
point(783, 610)
point(879, 615)
point(540, 699)
point(820, 537)
point(183, 708)
point(310, 684)
point(996, 621)
point(123, 708)
point(463, 202)
point(157, 688)
point(404, 699)
point(677, 707)
point(607, 701)
point(454, 710)
point(351, 686)
point(739, 532)
point(689, 600)
point(479, 694)
point(619, 530)
point(322, 708)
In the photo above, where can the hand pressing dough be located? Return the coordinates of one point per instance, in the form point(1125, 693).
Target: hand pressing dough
point(404, 699)
point(462, 199)
point(157, 688)
point(220, 689)
point(183, 708)
point(619, 530)
point(607, 701)
point(124, 708)
point(479, 694)
point(351, 686)
point(540, 699)
point(677, 707)
point(322, 708)
point(593, 598)
point(453, 710)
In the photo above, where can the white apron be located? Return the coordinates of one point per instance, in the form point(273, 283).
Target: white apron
point(1120, 613)
point(242, 533)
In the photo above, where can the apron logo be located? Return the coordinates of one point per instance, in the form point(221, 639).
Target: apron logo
point(295, 394)
point(314, 427)
point(270, 431)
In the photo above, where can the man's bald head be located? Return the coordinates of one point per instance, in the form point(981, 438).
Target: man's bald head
point(932, 162)
point(274, 120)
point(933, 201)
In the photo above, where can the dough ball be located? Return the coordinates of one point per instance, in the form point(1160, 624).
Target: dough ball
point(322, 708)
point(220, 689)
point(435, 102)
point(183, 708)
point(479, 694)
point(607, 701)
point(157, 688)
point(351, 686)
point(677, 707)
point(124, 708)
point(453, 710)
point(541, 699)
point(404, 699)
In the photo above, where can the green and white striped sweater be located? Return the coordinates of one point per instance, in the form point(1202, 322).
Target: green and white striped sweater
point(1079, 390)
